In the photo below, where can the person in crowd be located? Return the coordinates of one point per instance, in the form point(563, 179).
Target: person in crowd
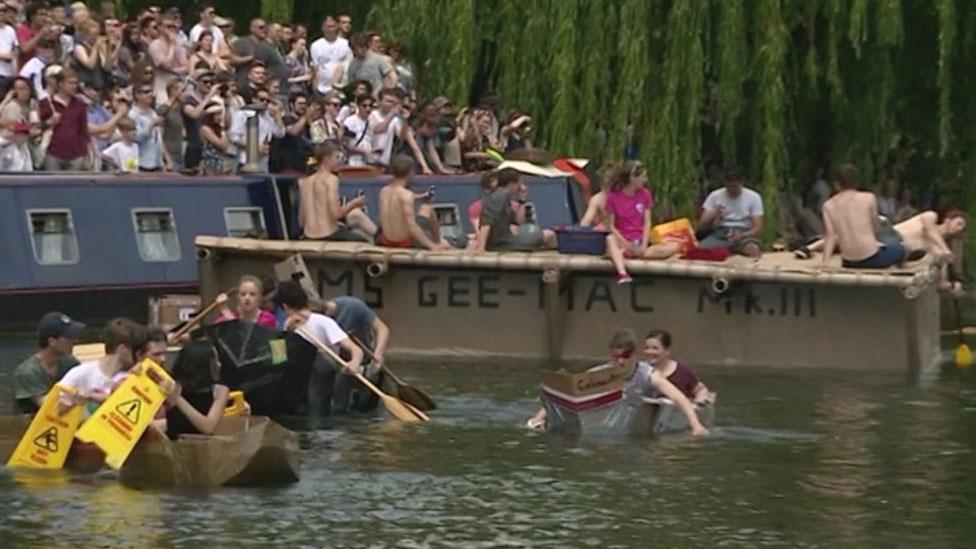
point(19, 104)
point(368, 65)
point(345, 25)
point(227, 26)
point(285, 36)
point(516, 133)
point(65, 114)
point(257, 79)
point(102, 120)
point(426, 137)
point(148, 31)
point(169, 58)
point(123, 155)
point(15, 154)
point(732, 217)
point(851, 223)
point(204, 57)
point(256, 47)
point(217, 153)
point(295, 147)
point(657, 351)
point(172, 126)
point(301, 31)
point(628, 209)
point(93, 381)
point(197, 404)
point(270, 125)
point(329, 53)
point(503, 228)
point(293, 299)
point(387, 125)
point(182, 38)
point(406, 74)
point(321, 213)
point(402, 226)
point(87, 55)
point(9, 54)
point(193, 105)
point(359, 134)
point(249, 293)
point(596, 210)
point(57, 334)
point(207, 13)
point(888, 197)
point(327, 126)
point(299, 71)
point(143, 72)
point(35, 28)
point(643, 380)
point(152, 155)
point(130, 50)
point(478, 139)
point(33, 69)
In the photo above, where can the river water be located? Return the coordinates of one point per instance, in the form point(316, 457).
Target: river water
point(820, 459)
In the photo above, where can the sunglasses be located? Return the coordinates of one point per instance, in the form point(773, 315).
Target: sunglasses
point(206, 81)
point(366, 105)
point(263, 99)
point(334, 104)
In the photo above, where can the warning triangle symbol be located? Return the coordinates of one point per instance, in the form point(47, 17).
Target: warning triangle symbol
point(48, 440)
point(130, 410)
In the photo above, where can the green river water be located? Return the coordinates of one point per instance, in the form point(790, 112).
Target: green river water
point(807, 459)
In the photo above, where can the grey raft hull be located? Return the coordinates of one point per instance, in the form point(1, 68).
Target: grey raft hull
point(620, 416)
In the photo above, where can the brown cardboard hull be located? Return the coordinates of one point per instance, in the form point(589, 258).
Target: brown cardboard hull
point(553, 307)
point(245, 451)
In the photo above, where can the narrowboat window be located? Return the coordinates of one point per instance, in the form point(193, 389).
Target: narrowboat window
point(53, 237)
point(245, 222)
point(530, 214)
point(447, 214)
point(156, 234)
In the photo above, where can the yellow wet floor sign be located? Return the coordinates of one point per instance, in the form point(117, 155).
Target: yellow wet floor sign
point(46, 441)
point(117, 424)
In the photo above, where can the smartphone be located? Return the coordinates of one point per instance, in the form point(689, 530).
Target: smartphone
point(430, 193)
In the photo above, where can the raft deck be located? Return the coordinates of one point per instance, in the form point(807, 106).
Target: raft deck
point(774, 311)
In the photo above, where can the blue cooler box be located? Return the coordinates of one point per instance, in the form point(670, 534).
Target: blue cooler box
point(581, 240)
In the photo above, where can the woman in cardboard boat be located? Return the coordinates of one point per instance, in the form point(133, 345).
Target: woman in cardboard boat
point(197, 402)
point(250, 294)
point(657, 351)
point(644, 381)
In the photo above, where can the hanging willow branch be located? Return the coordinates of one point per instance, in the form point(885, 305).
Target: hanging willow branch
point(946, 10)
point(733, 70)
point(770, 61)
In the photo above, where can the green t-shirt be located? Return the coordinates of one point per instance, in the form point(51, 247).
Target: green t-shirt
point(32, 380)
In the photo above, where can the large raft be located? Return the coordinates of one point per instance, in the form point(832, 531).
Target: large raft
point(775, 311)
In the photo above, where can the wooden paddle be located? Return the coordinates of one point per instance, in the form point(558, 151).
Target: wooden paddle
point(964, 356)
point(397, 408)
point(410, 394)
point(190, 324)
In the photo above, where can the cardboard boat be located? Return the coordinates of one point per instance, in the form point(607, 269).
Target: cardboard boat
point(594, 402)
point(245, 451)
point(82, 458)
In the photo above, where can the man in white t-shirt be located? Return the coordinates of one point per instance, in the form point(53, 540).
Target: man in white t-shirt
point(207, 14)
point(9, 45)
point(93, 380)
point(733, 215)
point(328, 54)
point(387, 124)
point(357, 133)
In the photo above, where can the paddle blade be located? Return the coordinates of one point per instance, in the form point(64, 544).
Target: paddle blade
point(964, 356)
point(401, 410)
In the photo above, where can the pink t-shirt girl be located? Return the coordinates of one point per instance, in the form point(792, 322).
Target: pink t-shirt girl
point(628, 211)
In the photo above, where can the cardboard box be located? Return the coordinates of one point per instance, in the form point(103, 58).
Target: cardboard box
point(294, 268)
point(586, 383)
point(167, 311)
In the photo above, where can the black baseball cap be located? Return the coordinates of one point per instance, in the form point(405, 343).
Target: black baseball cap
point(57, 324)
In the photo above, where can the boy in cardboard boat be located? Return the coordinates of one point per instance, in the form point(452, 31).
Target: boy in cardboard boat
point(322, 382)
point(57, 333)
point(644, 381)
point(94, 380)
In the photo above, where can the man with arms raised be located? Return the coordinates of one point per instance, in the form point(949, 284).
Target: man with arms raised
point(400, 226)
point(320, 210)
point(34, 377)
point(851, 223)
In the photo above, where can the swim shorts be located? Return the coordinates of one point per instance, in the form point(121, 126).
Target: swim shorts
point(886, 256)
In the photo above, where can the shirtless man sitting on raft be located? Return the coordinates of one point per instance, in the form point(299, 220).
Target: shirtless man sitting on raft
point(400, 225)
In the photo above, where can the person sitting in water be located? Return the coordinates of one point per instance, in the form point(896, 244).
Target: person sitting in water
point(320, 211)
point(401, 225)
point(94, 380)
point(628, 216)
point(733, 217)
point(851, 223)
point(294, 301)
point(657, 350)
point(644, 381)
point(502, 229)
point(57, 333)
point(921, 234)
point(197, 403)
point(250, 292)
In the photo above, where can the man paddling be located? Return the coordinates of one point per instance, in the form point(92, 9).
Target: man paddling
point(357, 319)
point(57, 333)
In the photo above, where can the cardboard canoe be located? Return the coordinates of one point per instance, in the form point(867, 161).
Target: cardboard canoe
point(245, 451)
point(82, 458)
point(593, 402)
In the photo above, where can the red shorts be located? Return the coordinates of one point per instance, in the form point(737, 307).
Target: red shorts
point(382, 240)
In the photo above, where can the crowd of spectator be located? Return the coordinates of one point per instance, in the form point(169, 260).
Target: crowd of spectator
point(84, 90)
